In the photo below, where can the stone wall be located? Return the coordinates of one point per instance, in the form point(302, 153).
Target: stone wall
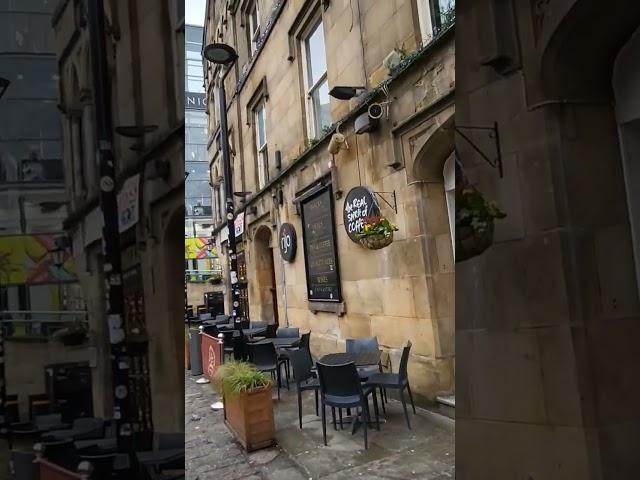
point(402, 292)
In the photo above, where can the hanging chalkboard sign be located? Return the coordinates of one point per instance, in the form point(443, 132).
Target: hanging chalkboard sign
point(288, 242)
point(358, 204)
point(321, 259)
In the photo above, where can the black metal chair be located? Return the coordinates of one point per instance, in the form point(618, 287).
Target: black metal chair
point(340, 387)
point(265, 358)
point(39, 404)
point(303, 377)
point(60, 452)
point(272, 328)
point(258, 324)
point(288, 332)
point(398, 381)
point(22, 466)
point(367, 344)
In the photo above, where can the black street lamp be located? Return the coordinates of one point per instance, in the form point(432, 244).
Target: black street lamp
point(222, 54)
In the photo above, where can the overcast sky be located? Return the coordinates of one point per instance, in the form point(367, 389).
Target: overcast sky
point(194, 12)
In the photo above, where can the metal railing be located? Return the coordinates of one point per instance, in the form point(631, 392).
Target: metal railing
point(38, 324)
point(203, 276)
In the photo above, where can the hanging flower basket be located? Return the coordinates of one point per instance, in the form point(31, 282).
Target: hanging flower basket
point(474, 222)
point(377, 233)
point(471, 243)
point(376, 241)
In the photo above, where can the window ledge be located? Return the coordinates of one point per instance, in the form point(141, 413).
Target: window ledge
point(334, 307)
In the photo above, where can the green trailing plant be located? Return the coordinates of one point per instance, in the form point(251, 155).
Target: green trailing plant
point(474, 211)
point(233, 378)
point(312, 141)
point(326, 130)
point(377, 225)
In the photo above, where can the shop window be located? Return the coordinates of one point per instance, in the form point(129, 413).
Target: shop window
point(261, 144)
point(315, 78)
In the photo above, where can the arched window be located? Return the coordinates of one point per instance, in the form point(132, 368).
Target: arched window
point(449, 174)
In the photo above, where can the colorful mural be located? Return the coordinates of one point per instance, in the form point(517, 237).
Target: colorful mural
point(196, 248)
point(25, 259)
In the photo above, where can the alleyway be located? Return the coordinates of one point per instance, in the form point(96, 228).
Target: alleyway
point(426, 452)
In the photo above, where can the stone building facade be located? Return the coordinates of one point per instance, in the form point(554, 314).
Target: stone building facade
point(281, 120)
point(144, 41)
point(548, 318)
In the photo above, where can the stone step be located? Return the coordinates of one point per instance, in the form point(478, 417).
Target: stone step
point(447, 405)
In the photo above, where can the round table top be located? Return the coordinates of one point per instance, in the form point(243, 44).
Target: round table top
point(361, 359)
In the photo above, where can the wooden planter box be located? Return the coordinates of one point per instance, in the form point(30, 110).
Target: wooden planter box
point(51, 471)
point(250, 417)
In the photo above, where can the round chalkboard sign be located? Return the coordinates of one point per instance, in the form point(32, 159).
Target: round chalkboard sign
point(288, 242)
point(358, 204)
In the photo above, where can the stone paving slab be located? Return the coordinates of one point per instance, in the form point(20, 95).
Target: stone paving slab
point(395, 452)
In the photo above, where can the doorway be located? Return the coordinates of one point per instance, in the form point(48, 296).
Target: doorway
point(265, 292)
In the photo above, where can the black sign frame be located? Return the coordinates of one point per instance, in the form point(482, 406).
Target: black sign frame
point(305, 239)
point(288, 252)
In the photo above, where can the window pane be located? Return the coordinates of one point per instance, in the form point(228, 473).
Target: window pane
point(193, 34)
point(316, 61)
point(260, 127)
point(191, 55)
point(254, 18)
point(197, 171)
point(321, 107)
point(193, 118)
point(196, 135)
point(262, 169)
point(194, 85)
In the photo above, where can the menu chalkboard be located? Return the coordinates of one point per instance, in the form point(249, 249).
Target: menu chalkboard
point(323, 278)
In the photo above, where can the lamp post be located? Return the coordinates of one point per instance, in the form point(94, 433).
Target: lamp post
point(4, 432)
point(224, 55)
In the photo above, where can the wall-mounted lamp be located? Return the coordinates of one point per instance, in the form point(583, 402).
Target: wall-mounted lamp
point(345, 92)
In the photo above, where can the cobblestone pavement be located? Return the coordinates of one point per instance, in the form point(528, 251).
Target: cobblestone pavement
point(425, 452)
point(211, 452)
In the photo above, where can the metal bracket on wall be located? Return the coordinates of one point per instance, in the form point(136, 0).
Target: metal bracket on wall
point(393, 196)
point(493, 133)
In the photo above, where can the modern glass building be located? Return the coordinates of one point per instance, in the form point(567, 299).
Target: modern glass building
point(33, 200)
point(198, 221)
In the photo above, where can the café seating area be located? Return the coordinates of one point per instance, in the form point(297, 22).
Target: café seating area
point(351, 385)
point(44, 447)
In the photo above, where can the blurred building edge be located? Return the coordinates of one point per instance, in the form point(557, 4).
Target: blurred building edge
point(145, 75)
point(37, 296)
point(281, 118)
point(548, 319)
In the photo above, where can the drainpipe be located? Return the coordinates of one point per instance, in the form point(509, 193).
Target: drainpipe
point(282, 264)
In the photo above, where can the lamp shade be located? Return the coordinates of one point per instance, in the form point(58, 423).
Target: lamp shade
point(220, 53)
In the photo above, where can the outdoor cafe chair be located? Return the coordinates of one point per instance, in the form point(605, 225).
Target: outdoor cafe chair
point(265, 358)
point(272, 328)
point(303, 378)
point(367, 344)
point(258, 324)
point(286, 333)
point(22, 466)
point(398, 381)
point(340, 387)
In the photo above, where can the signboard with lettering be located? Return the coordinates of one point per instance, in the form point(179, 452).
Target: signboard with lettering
point(321, 259)
point(358, 204)
point(288, 242)
point(238, 224)
point(128, 203)
point(195, 101)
